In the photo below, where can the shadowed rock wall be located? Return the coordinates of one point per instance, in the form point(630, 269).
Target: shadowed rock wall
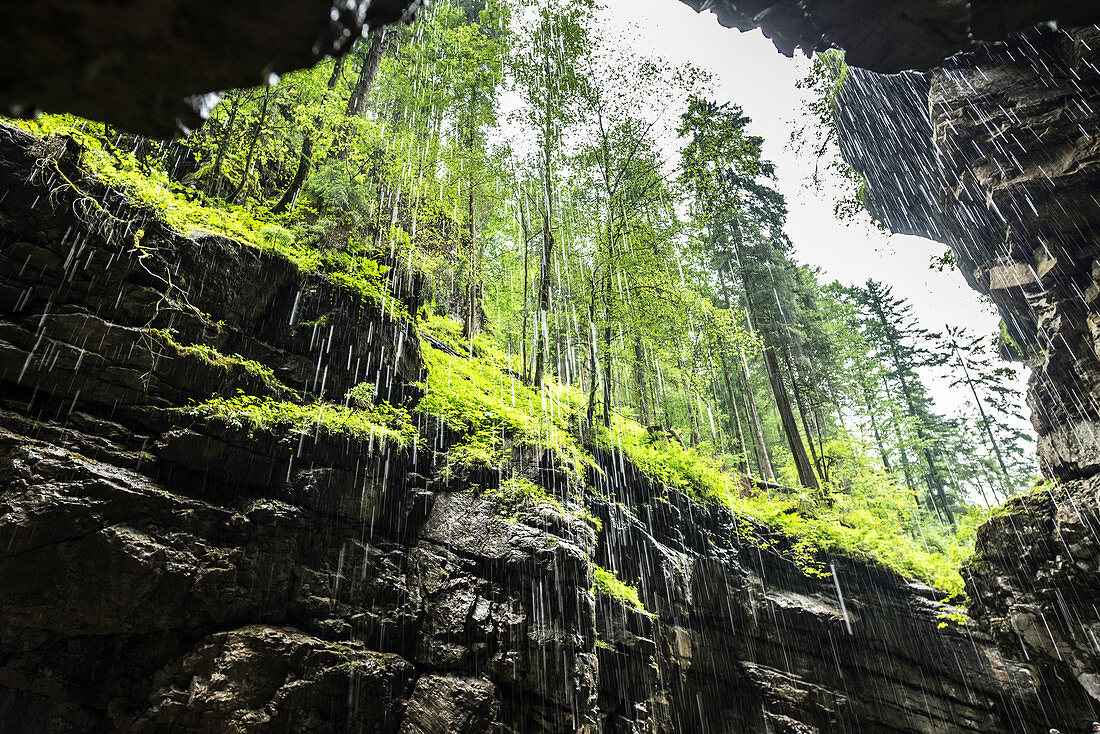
point(997, 155)
point(147, 66)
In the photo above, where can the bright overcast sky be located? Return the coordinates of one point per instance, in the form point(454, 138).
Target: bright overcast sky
point(750, 72)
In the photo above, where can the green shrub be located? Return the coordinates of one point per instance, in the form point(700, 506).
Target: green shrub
point(608, 584)
point(384, 423)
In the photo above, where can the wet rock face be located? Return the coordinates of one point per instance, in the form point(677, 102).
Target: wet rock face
point(744, 640)
point(162, 572)
point(997, 155)
point(147, 66)
point(1035, 573)
point(889, 36)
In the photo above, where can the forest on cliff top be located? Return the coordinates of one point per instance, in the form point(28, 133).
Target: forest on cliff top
point(597, 258)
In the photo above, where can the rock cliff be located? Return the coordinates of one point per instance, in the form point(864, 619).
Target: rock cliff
point(167, 571)
point(996, 154)
point(895, 35)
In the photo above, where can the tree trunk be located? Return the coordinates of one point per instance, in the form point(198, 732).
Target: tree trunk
point(545, 268)
point(790, 428)
point(223, 147)
point(640, 381)
point(734, 410)
point(800, 401)
point(368, 72)
point(874, 428)
point(757, 426)
point(251, 161)
point(590, 413)
point(607, 376)
point(545, 273)
point(689, 398)
point(472, 325)
point(305, 158)
point(1006, 480)
point(521, 200)
point(543, 302)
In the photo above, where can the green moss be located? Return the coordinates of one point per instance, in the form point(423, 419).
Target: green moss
point(214, 358)
point(818, 530)
point(608, 584)
point(516, 497)
point(175, 205)
point(492, 409)
point(665, 460)
point(517, 494)
point(383, 423)
point(442, 328)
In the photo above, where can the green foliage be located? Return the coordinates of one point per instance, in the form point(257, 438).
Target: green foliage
point(382, 423)
point(685, 469)
point(608, 584)
point(818, 137)
point(214, 358)
point(816, 529)
point(181, 209)
point(517, 497)
point(519, 493)
point(493, 409)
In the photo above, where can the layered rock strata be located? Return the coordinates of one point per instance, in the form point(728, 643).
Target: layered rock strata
point(164, 572)
point(997, 155)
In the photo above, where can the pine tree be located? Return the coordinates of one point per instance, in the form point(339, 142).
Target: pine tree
point(723, 167)
point(892, 329)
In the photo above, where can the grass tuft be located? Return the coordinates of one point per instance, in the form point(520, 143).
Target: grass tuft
point(383, 423)
point(608, 584)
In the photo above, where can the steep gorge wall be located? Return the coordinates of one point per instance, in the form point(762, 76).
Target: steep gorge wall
point(163, 572)
point(997, 154)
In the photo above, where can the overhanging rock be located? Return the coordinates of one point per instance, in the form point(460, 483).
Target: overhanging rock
point(147, 66)
point(895, 35)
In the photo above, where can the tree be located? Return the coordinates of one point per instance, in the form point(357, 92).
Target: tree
point(548, 69)
point(309, 139)
point(891, 328)
point(972, 365)
point(744, 218)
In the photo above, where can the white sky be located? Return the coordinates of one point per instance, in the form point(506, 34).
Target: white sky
point(750, 72)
